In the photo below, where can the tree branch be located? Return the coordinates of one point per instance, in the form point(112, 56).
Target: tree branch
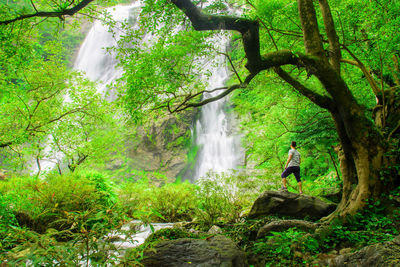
point(333, 39)
point(320, 100)
point(364, 70)
point(230, 89)
point(248, 28)
point(6, 144)
point(311, 34)
point(60, 14)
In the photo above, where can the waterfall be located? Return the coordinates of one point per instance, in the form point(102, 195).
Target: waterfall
point(99, 65)
point(93, 58)
point(219, 144)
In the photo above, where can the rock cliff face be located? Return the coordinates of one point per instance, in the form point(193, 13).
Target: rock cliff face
point(163, 147)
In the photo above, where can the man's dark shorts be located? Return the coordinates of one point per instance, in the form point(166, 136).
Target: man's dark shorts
point(293, 169)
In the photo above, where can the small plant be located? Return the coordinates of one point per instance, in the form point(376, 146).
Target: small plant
point(277, 248)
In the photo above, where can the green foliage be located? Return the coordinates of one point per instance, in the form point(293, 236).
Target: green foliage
point(279, 244)
point(169, 234)
point(168, 203)
point(175, 202)
point(50, 203)
point(219, 200)
point(65, 219)
point(8, 222)
point(104, 186)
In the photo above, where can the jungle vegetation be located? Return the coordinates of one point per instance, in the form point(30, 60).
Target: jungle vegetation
point(324, 73)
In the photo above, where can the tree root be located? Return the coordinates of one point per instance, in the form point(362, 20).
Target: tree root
point(280, 226)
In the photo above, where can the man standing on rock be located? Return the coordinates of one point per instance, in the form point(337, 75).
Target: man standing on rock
point(292, 166)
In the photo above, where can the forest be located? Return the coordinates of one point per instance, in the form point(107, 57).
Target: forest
point(157, 132)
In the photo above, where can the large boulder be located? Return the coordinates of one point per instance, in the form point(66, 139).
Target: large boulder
point(290, 204)
point(383, 254)
point(216, 251)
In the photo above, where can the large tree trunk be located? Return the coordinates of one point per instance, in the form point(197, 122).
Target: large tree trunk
point(363, 158)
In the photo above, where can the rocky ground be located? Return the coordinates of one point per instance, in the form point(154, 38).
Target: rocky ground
point(216, 249)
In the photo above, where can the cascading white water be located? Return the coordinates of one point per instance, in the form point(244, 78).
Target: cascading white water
point(219, 145)
point(98, 64)
point(93, 58)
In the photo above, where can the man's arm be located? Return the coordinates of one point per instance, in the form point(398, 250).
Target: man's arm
point(288, 160)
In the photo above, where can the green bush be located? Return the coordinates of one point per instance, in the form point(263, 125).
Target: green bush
point(65, 219)
point(174, 202)
point(168, 203)
point(220, 200)
point(277, 249)
point(103, 186)
point(7, 223)
point(42, 204)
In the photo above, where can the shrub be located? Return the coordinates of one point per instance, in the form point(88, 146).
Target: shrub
point(168, 203)
point(174, 202)
point(41, 204)
point(220, 198)
point(103, 186)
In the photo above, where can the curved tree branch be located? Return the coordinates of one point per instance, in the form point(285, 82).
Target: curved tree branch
point(248, 28)
point(230, 89)
point(359, 64)
point(60, 14)
point(320, 100)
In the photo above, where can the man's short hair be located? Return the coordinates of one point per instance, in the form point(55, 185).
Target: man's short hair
point(293, 144)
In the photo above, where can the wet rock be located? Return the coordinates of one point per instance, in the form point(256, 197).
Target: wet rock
point(216, 251)
point(290, 204)
point(383, 254)
point(345, 251)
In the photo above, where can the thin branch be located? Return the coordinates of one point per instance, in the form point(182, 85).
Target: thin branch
point(394, 130)
point(34, 7)
point(215, 98)
point(320, 100)
point(59, 14)
point(231, 63)
point(359, 64)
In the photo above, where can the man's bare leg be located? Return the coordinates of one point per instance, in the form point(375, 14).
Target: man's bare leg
point(300, 188)
point(284, 182)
